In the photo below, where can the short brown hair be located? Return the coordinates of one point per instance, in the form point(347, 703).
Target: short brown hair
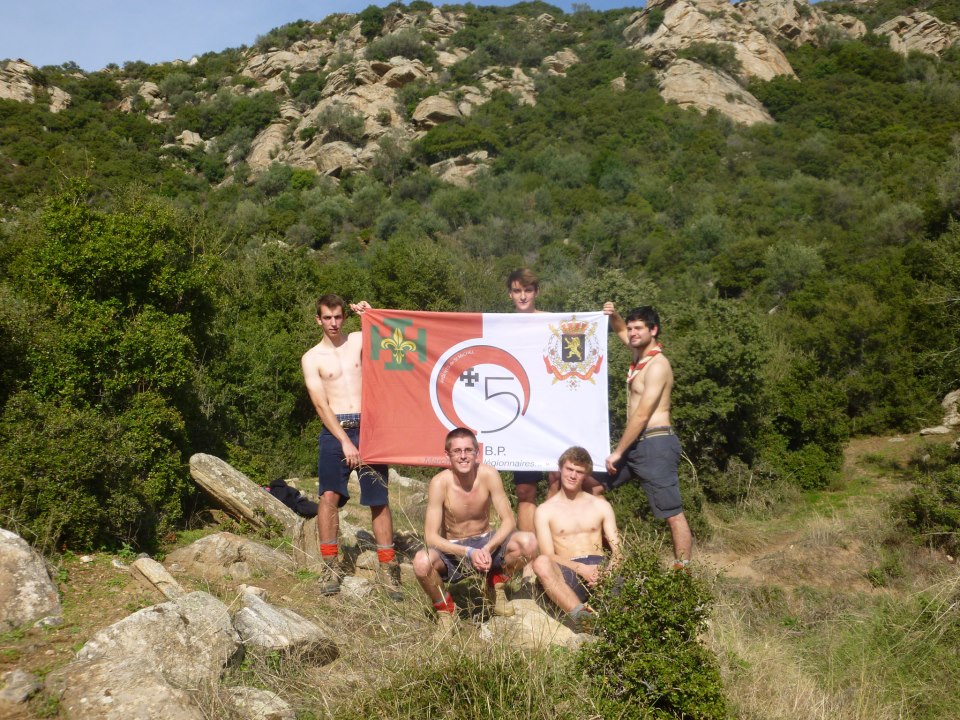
point(460, 432)
point(329, 301)
point(525, 277)
point(576, 456)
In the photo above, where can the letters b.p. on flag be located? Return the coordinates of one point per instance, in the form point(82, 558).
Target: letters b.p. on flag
point(529, 386)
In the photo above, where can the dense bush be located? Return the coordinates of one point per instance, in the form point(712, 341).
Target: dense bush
point(932, 509)
point(405, 43)
point(96, 421)
point(648, 661)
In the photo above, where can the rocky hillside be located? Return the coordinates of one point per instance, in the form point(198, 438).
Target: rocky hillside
point(350, 85)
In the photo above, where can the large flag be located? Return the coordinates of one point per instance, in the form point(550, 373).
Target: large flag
point(529, 385)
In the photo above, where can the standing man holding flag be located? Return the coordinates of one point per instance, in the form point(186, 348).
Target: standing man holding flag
point(649, 448)
point(331, 371)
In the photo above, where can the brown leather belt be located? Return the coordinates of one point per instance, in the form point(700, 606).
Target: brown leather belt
point(656, 432)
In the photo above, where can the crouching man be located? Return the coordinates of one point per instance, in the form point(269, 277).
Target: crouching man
point(571, 529)
point(457, 530)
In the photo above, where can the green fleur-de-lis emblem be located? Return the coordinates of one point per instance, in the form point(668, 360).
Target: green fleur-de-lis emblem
point(398, 345)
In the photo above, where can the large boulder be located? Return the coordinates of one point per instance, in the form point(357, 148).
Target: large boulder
point(951, 409)
point(265, 627)
point(154, 576)
point(245, 500)
point(435, 110)
point(691, 84)
point(15, 81)
point(27, 593)
point(529, 627)
point(59, 99)
point(350, 76)
point(16, 687)
point(458, 170)
point(221, 554)
point(248, 703)
point(188, 641)
point(118, 689)
point(686, 22)
point(444, 24)
point(560, 62)
point(951, 416)
point(298, 59)
point(919, 31)
point(797, 21)
point(267, 146)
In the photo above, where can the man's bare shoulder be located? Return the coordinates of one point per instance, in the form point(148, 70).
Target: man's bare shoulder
point(441, 479)
point(488, 474)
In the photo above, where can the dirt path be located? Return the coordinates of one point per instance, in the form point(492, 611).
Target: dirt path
point(824, 544)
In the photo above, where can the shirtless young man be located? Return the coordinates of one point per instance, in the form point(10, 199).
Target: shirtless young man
point(571, 528)
point(649, 449)
point(458, 534)
point(331, 371)
point(523, 287)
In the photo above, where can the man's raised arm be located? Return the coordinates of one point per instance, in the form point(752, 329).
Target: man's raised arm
point(617, 323)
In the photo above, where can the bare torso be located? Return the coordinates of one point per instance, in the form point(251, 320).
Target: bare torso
point(636, 384)
point(576, 526)
point(466, 509)
point(338, 369)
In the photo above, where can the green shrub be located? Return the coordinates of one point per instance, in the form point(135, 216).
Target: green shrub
point(654, 19)
point(405, 43)
point(341, 122)
point(722, 56)
point(932, 509)
point(371, 21)
point(648, 661)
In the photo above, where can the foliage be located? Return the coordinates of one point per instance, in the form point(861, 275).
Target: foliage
point(485, 681)
point(406, 43)
point(722, 56)
point(371, 21)
point(96, 418)
point(932, 509)
point(648, 661)
point(718, 351)
point(338, 121)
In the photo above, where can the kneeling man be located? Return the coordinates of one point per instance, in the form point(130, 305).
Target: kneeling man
point(571, 529)
point(457, 529)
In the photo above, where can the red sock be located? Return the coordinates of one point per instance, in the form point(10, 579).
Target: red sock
point(497, 578)
point(446, 605)
point(329, 550)
point(386, 554)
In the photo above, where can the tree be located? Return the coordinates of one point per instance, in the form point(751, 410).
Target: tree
point(97, 419)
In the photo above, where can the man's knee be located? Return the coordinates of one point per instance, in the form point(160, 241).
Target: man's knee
point(422, 564)
point(677, 521)
point(331, 499)
point(523, 543)
point(527, 492)
point(544, 567)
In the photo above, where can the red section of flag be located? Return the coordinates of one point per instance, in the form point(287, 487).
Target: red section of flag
point(400, 349)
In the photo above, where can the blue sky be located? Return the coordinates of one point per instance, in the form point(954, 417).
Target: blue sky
point(93, 33)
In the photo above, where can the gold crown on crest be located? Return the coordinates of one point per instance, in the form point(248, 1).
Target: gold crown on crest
point(574, 327)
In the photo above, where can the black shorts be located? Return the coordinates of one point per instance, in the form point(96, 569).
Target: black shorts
point(654, 460)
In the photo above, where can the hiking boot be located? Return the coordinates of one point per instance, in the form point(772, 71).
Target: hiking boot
point(681, 565)
point(390, 579)
point(330, 581)
point(447, 623)
point(497, 597)
point(583, 620)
